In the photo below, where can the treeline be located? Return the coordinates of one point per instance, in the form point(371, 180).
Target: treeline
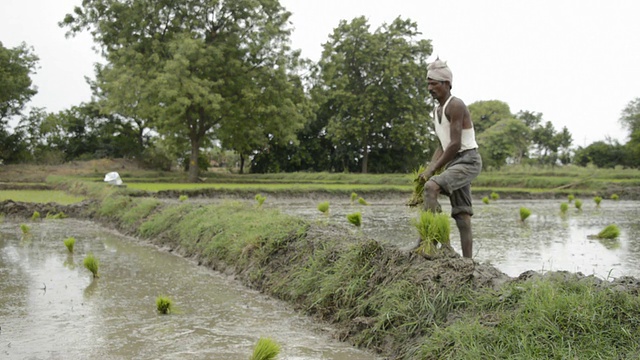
point(200, 81)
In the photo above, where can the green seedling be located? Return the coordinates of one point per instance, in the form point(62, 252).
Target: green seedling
point(597, 200)
point(524, 213)
point(25, 229)
point(570, 197)
point(564, 207)
point(362, 201)
point(485, 200)
point(183, 198)
point(265, 349)
point(323, 207)
point(615, 197)
point(69, 243)
point(91, 263)
point(56, 216)
point(610, 232)
point(355, 219)
point(578, 204)
point(434, 229)
point(260, 199)
point(495, 196)
point(35, 216)
point(354, 196)
point(164, 305)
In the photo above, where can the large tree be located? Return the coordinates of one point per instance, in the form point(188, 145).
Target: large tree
point(487, 113)
point(193, 66)
point(375, 86)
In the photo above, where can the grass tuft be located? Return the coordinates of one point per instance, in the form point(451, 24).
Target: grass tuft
point(69, 243)
point(265, 349)
point(597, 200)
point(91, 263)
point(570, 198)
point(260, 199)
point(524, 213)
point(495, 196)
point(564, 207)
point(485, 200)
point(354, 196)
point(578, 204)
point(323, 207)
point(433, 229)
point(615, 197)
point(362, 201)
point(25, 229)
point(355, 218)
point(35, 216)
point(183, 198)
point(610, 232)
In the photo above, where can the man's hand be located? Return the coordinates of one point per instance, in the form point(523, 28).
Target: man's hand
point(424, 176)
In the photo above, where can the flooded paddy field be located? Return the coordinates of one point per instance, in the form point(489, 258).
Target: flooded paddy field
point(52, 308)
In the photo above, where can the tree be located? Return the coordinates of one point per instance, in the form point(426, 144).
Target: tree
point(630, 116)
point(485, 114)
point(16, 89)
point(375, 86)
point(507, 139)
point(192, 67)
point(601, 154)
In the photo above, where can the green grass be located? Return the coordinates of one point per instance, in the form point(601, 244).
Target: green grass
point(69, 243)
point(40, 196)
point(91, 263)
point(265, 349)
point(164, 305)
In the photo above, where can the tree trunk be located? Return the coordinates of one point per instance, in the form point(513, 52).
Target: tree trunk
point(193, 161)
point(241, 164)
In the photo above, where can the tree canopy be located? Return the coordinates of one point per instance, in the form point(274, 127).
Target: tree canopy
point(16, 88)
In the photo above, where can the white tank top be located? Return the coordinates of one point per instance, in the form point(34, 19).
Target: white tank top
point(443, 130)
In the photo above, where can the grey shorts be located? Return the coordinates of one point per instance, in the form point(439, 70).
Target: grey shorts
point(455, 180)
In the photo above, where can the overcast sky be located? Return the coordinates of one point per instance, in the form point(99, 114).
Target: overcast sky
point(576, 62)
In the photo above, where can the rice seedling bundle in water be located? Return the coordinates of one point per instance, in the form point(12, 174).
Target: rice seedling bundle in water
point(91, 263)
point(323, 207)
point(354, 196)
point(35, 216)
point(615, 197)
point(578, 204)
point(597, 200)
point(69, 243)
point(485, 200)
point(570, 197)
point(610, 232)
point(266, 349)
point(524, 213)
point(260, 199)
point(495, 196)
point(164, 305)
point(355, 218)
point(432, 228)
point(362, 201)
point(183, 198)
point(25, 229)
point(564, 207)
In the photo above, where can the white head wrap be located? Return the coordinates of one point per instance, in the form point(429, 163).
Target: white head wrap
point(438, 70)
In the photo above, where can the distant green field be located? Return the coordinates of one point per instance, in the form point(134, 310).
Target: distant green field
point(154, 187)
point(40, 196)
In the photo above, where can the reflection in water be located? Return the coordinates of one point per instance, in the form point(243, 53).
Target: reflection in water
point(115, 317)
point(547, 240)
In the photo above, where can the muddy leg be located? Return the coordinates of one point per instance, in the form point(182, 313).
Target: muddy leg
point(431, 192)
point(463, 221)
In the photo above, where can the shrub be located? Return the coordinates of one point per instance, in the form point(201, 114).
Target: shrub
point(524, 213)
point(69, 243)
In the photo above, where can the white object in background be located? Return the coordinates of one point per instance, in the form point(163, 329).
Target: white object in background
point(113, 178)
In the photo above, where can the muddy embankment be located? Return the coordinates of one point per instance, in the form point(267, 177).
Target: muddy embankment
point(376, 296)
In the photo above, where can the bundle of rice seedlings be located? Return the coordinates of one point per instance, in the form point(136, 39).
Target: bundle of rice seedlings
point(354, 196)
point(570, 197)
point(485, 200)
point(495, 196)
point(69, 243)
point(433, 229)
point(362, 201)
point(564, 207)
point(615, 197)
point(597, 200)
point(164, 305)
point(355, 218)
point(524, 213)
point(418, 186)
point(35, 216)
point(25, 229)
point(578, 204)
point(323, 207)
point(91, 263)
point(183, 198)
point(610, 232)
point(260, 199)
point(266, 349)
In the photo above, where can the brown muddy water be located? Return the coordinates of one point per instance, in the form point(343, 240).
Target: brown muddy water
point(52, 308)
point(546, 241)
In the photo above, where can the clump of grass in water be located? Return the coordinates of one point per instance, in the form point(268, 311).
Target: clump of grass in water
point(610, 232)
point(164, 305)
point(354, 196)
point(323, 207)
point(91, 263)
point(615, 197)
point(35, 216)
point(597, 200)
point(485, 200)
point(355, 219)
point(57, 216)
point(433, 229)
point(25, 229)
point(183, 198)
point(570, 197)
point(495, 196)
point(564, 207)
point(69, 243)
point(260, 199)
point(362, 201)
point(524, 213)
point(266, 349)
point(578, 204)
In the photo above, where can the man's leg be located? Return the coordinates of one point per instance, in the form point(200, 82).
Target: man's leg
point(431, 192)
point(463, 221)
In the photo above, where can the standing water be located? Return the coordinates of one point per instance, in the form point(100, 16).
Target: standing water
point(52, 308)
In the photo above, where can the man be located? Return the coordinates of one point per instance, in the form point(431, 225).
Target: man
point(457, 155)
